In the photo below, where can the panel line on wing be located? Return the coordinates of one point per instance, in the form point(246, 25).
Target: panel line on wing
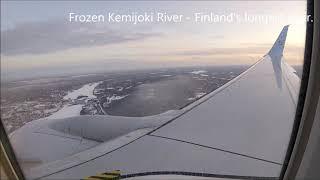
point(290, 85)
point(194, 174)
point(290, 92)
point(51, 134)
point(86, 161)
point(218, 149)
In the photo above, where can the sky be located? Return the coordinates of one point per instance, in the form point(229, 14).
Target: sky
point(37, 38)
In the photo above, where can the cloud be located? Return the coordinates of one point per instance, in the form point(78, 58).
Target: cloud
point(52, 36)
point(216, 37)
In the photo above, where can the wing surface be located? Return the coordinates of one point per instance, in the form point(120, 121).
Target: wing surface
point(241, 129)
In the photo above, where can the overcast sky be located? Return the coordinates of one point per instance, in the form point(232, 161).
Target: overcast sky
point(37, 38)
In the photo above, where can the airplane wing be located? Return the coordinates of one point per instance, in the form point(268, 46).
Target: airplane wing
point(240, 130)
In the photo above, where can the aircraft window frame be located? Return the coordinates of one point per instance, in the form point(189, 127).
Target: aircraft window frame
point(289, 171)
point(17, 171)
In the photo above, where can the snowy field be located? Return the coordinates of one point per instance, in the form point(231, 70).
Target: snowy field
point(66, 111)
point(86, 90)
point(137, 94)
point(74, 110)
point(198, 72)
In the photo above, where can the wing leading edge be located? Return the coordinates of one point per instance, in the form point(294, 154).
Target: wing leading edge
point(241, 129)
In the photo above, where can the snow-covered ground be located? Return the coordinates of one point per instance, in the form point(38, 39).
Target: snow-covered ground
point(166, 75)
point(66, 111)
point(86, 90)
point(83, 75)
point(197, 95)
point(198, 72)
point(114, 98)
point(74, 110)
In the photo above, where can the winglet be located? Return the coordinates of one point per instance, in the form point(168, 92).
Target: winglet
point(276, 53)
